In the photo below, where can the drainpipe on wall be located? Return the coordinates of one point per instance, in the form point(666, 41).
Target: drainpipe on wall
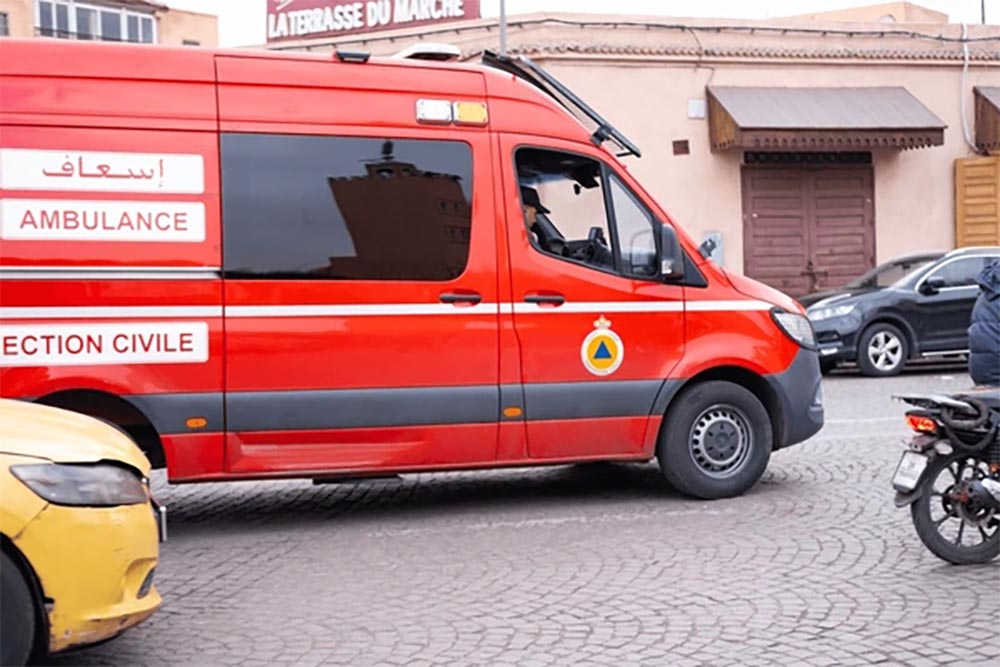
point(966, 133)
point(503, 27)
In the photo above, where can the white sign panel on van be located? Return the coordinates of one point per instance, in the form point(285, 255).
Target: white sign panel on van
point(92, 171)
point(97, 220)
point(103, 344)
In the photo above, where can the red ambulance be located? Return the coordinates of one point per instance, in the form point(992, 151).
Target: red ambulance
point(265, 265)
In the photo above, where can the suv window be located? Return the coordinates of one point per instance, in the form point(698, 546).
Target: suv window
point(886, 275)
point(345, 208)
point(961, 272)
point(563, 198)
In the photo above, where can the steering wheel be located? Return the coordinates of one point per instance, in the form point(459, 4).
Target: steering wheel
point(596, 235)
point(590, 250)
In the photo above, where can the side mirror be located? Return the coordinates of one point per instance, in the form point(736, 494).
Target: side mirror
point(707, 247)
point(932, 285)
point(671, 256)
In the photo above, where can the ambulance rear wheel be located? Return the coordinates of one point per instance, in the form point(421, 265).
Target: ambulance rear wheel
point(716, 440)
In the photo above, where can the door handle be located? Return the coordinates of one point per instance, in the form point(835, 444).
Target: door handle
point(546, 299)
point(466, 298)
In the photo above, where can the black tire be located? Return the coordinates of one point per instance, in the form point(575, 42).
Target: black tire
point(699, 431)
point(897, 350)
point(17, 615)
point(938, 544)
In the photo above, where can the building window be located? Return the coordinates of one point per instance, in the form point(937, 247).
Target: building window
point(86, 23)
point(69, 19)
point(345, 208)
point(4, 24)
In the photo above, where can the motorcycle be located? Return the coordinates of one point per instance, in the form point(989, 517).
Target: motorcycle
point(950, 474)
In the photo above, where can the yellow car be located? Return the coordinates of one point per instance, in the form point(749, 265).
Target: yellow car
point(80, 532)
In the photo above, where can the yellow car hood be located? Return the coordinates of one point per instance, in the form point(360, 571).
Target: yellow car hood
point(28, 429)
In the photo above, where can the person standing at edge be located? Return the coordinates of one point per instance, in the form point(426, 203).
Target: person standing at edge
point(984, 333)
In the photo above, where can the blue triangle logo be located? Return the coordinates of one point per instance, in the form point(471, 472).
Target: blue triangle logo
point(602, 351)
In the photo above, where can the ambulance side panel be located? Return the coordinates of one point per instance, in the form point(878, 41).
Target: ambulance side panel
point(348, 348)
point(110, 294)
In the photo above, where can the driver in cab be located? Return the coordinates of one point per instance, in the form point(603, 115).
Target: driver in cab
point(531, 204)
point(544, 234)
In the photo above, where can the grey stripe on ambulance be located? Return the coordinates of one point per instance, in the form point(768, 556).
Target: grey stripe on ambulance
point(170, 412)
point(371, 408)
point(580, 400)
point(361, 408)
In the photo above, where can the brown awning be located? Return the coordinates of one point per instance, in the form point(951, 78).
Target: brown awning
point(987, 117)
point(819, 119)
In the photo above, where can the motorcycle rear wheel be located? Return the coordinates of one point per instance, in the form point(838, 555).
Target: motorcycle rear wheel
point(952, 531)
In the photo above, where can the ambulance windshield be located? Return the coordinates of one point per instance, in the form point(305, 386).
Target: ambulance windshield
point(523, 68)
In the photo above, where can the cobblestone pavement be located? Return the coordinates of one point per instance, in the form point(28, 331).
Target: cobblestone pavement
point(595, 564)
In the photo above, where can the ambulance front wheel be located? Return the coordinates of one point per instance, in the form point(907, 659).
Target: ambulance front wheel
point(716, 440)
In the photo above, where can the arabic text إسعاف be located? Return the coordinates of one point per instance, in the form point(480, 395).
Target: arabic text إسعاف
point(68, 170)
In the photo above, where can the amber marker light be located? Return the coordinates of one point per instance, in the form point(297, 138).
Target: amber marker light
point(470, 113)
point(512, 412)
point(197, 422)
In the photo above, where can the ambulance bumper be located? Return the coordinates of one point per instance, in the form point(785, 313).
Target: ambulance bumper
point(800, 393)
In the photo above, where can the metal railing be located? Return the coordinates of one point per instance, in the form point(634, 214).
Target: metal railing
point(80, 36)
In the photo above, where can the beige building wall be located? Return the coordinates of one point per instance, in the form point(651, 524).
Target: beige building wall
point(914, 189)
point(642, 79)
point(177, 27)
point(174, 27)
point(889, 12)
point(20, 17)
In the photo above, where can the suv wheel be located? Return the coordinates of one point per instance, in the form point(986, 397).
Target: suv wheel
point(882, 350)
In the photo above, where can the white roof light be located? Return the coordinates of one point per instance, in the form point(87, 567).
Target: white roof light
point(430, 51)
point(434, 111)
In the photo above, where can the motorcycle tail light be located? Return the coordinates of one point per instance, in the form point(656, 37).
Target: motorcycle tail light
point(921, 424)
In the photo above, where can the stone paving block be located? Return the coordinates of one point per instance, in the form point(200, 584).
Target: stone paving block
point(571, 565)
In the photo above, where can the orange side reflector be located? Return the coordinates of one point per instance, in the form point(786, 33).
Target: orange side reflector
point(512, 412)
point(921, 424)
point(197, 422)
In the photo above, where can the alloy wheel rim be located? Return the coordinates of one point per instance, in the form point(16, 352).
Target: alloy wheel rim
point(885, 351)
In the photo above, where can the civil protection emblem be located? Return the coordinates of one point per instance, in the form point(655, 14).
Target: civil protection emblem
point(602, 350)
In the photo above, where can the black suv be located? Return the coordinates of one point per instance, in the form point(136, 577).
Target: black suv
point(882, 276)
point(925, 314)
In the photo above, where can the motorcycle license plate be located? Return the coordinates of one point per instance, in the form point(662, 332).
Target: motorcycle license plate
point(909, 470)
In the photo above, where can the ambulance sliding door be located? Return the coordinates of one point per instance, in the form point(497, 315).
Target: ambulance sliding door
point(361, 292)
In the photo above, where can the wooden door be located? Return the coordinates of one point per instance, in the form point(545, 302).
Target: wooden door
point(977, 201)
point(808, 228)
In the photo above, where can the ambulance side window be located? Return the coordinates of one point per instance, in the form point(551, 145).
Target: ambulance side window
point(345, 208)
point(577, 209)
point(563, 203)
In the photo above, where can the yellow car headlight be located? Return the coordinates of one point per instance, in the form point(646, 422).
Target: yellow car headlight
point(86, 485)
